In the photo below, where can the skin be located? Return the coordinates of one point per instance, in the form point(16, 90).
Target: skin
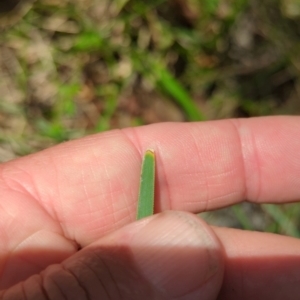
point(82, 195)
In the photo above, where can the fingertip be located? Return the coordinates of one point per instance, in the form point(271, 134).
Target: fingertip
point(179, 255)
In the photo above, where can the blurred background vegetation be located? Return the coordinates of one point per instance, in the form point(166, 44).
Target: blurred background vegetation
point(71, 68)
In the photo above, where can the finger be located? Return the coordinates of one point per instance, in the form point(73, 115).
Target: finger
point(173, 255)
point(259, 265)
point(90, 186)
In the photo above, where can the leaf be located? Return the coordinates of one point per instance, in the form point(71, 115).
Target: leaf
point(210, 6)
point(88, 41)
point(285, 223)
point(147, 184)
point(172, 87)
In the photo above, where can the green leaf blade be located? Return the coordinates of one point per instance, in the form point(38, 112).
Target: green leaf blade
point(147, 186)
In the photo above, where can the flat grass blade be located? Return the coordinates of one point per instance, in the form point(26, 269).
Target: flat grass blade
point(172, 87)
point(147, 184)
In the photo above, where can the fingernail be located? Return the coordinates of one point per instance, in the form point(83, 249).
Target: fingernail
point(176, 253)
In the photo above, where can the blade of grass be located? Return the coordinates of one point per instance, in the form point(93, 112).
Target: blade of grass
point(168, 83)
point(242, 217)
point(286, 225)
point(147, 183)
point(210, 6)
point(165, 80)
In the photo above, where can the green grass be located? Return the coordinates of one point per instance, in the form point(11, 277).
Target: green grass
point(147, 186)
point(70, 69)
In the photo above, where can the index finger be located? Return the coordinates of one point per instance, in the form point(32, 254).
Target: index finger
point(91, 185)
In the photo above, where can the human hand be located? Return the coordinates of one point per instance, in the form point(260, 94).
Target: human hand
point(83, 195)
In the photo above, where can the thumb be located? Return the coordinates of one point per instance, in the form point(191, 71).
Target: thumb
point(172, 255)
